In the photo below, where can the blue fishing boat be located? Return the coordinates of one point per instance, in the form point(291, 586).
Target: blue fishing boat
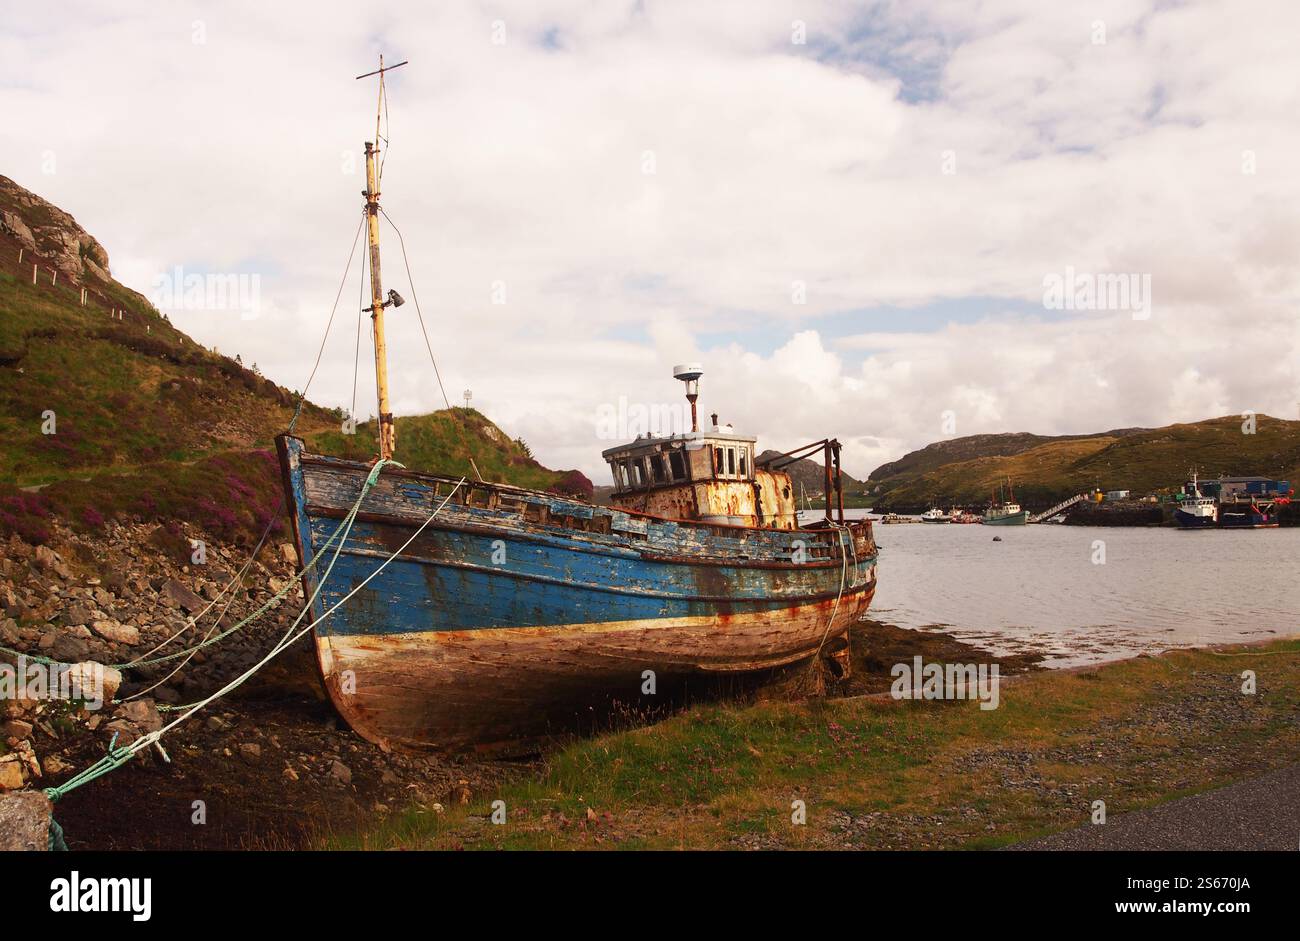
point(450, 612)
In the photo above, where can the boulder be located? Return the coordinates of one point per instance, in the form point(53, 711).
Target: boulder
point(340, 772)
point(25, 821)
point(69, 648)
point(125, 731)
point(116, 632)
point(11, 774)
point(12, 223)
point(93, 681)
point(142, 713)
point(182, 596)
point(15, 728)
point(77, 615)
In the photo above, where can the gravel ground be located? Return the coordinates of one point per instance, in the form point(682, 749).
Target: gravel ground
point(1260, 813)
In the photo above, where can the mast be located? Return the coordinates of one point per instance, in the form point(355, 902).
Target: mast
point(387, 432)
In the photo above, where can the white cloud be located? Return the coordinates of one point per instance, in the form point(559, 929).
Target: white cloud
point(774, 163)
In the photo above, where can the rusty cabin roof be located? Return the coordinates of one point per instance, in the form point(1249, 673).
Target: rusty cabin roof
point(651, 443)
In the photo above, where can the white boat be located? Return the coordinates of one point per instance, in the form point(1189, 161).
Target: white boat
point(1195, 510)
point(934, 515)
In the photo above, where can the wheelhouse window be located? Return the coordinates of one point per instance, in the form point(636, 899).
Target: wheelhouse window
point(657, 468)
point(677, 464)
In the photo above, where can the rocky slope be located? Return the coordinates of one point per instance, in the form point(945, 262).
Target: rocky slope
point(50, 233)
point(122, 444)
point(270, 760)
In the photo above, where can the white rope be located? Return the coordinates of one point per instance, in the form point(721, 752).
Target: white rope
point(154, 737)
point(840, 529)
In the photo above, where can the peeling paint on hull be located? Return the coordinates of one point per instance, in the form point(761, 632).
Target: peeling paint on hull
point(516, 609)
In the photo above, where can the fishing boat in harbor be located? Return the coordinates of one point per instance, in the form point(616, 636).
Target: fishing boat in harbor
point(1196, 510)
point(934, 515)
point(962, 517)
point(449, 612)
point(1004, 511)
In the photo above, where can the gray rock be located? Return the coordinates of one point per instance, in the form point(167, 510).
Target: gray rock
point(125, 731)
point(15, 728)
point(341, 772)
point(11, 775)
point(79, 614)
point(142, 713)
point(68, 648)
point(94, 680)
point(182, 596)
point(25, 822)
point(117, 633)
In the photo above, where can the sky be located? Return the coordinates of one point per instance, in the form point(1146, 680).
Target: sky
point(885, 222)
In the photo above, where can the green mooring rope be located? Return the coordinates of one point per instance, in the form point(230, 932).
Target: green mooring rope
point(271, 602)
point(115, 756)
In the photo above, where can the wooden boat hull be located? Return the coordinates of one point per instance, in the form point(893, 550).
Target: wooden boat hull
point(515, 613)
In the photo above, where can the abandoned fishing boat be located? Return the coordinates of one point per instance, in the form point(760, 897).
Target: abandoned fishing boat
point(457, 612)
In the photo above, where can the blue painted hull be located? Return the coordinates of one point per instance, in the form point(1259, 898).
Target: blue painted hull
point(1246, 519)
point(1187, 521)
point(515, 610)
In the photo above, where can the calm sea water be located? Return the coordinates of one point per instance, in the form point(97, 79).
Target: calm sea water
point(1039, 589)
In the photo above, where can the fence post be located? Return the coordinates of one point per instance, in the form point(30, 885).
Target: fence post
point(34, 270)
point(20, 256)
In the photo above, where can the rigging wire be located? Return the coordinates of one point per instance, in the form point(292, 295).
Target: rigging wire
point(356, 359)
point(427, 345)
point(383, 104)
point(303, 396)
point(220, 617)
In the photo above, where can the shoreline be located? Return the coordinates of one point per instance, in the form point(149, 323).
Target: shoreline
point(310, 784)
point(878, 773)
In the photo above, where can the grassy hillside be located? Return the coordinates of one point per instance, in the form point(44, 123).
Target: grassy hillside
point(444, 442)
point(148, 424)
point(970, 447)
point(1146, 460)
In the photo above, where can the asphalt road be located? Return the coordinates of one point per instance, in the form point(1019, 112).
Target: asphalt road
point(1260, 813)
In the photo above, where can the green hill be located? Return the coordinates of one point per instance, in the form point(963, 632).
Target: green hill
point(954, 450)
point(445, 441)
point(108, 410)
point(1047, 470)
